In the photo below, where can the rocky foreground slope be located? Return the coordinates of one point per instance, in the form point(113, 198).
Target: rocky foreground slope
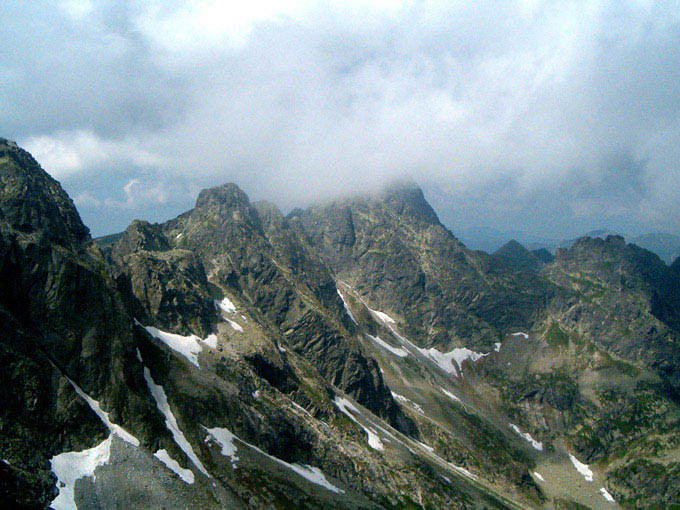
point(353, 354)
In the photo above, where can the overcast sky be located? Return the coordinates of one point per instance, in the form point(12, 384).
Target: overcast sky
point(549, 117)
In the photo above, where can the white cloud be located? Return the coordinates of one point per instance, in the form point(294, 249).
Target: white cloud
point(525, 102)
point(137, 195)
point(87, 201)
point(67, 153)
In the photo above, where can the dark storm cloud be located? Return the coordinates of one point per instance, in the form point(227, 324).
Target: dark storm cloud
point(549, 116)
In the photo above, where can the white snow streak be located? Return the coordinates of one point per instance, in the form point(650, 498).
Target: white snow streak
point(383, 316)
point(398, 351)
point(497, 347)
point(519, 333)
point(582, 468)
point(463, 471)
point(104, 416)
point(235, 325)
point(314, 475)
point(450, 395)
point(161, 399)
point(185, 474)
point(538, 475)
point(349, 312)
point(405, 400)
point(226, 440)
point(538, 446)
point(426, 447)
point(606, 495)
point(345, 407)
point(211, 341)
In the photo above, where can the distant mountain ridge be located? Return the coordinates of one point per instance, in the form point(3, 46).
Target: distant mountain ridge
point(665, 245)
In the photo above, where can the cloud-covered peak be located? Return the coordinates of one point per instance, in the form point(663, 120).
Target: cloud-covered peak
point(543, 116)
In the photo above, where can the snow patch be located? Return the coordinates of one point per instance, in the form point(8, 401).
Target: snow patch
point(383, 316)
point(163, 405)
point(463, 471)
point(349, 312)
point(345, 407)
point(178, 236)
point(314, 475)
point(519, 333)
point(282, 349)
point(72, 466)
point(582, 468)
point(226, 305)
point(606, 495)
point(256, 394)
point(538, 446)
point(185, 474)
point(373, 439)
point(497, 347)
point(538, 476)
point(104, 416)
point(235, 325)
point(427, 447)
point(450, 395)
point(225, 439)
point(405, 400)
point(398, 351)
point(211, 341)
point(445, 359)
point(187, 346)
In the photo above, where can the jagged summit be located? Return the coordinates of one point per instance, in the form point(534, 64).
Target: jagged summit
point(33, 202)
point(408, 199)
point(225, 195)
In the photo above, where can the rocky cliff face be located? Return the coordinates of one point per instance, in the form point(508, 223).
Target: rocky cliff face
point(393, 250)
point(601, 371)
point(629, 301)
point(63, 320)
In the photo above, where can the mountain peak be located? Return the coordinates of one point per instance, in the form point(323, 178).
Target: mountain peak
point(227, 195)
point(33, 202)
point(517, 256)
point(512, 246)
point(142, 235)
point(406, 197)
